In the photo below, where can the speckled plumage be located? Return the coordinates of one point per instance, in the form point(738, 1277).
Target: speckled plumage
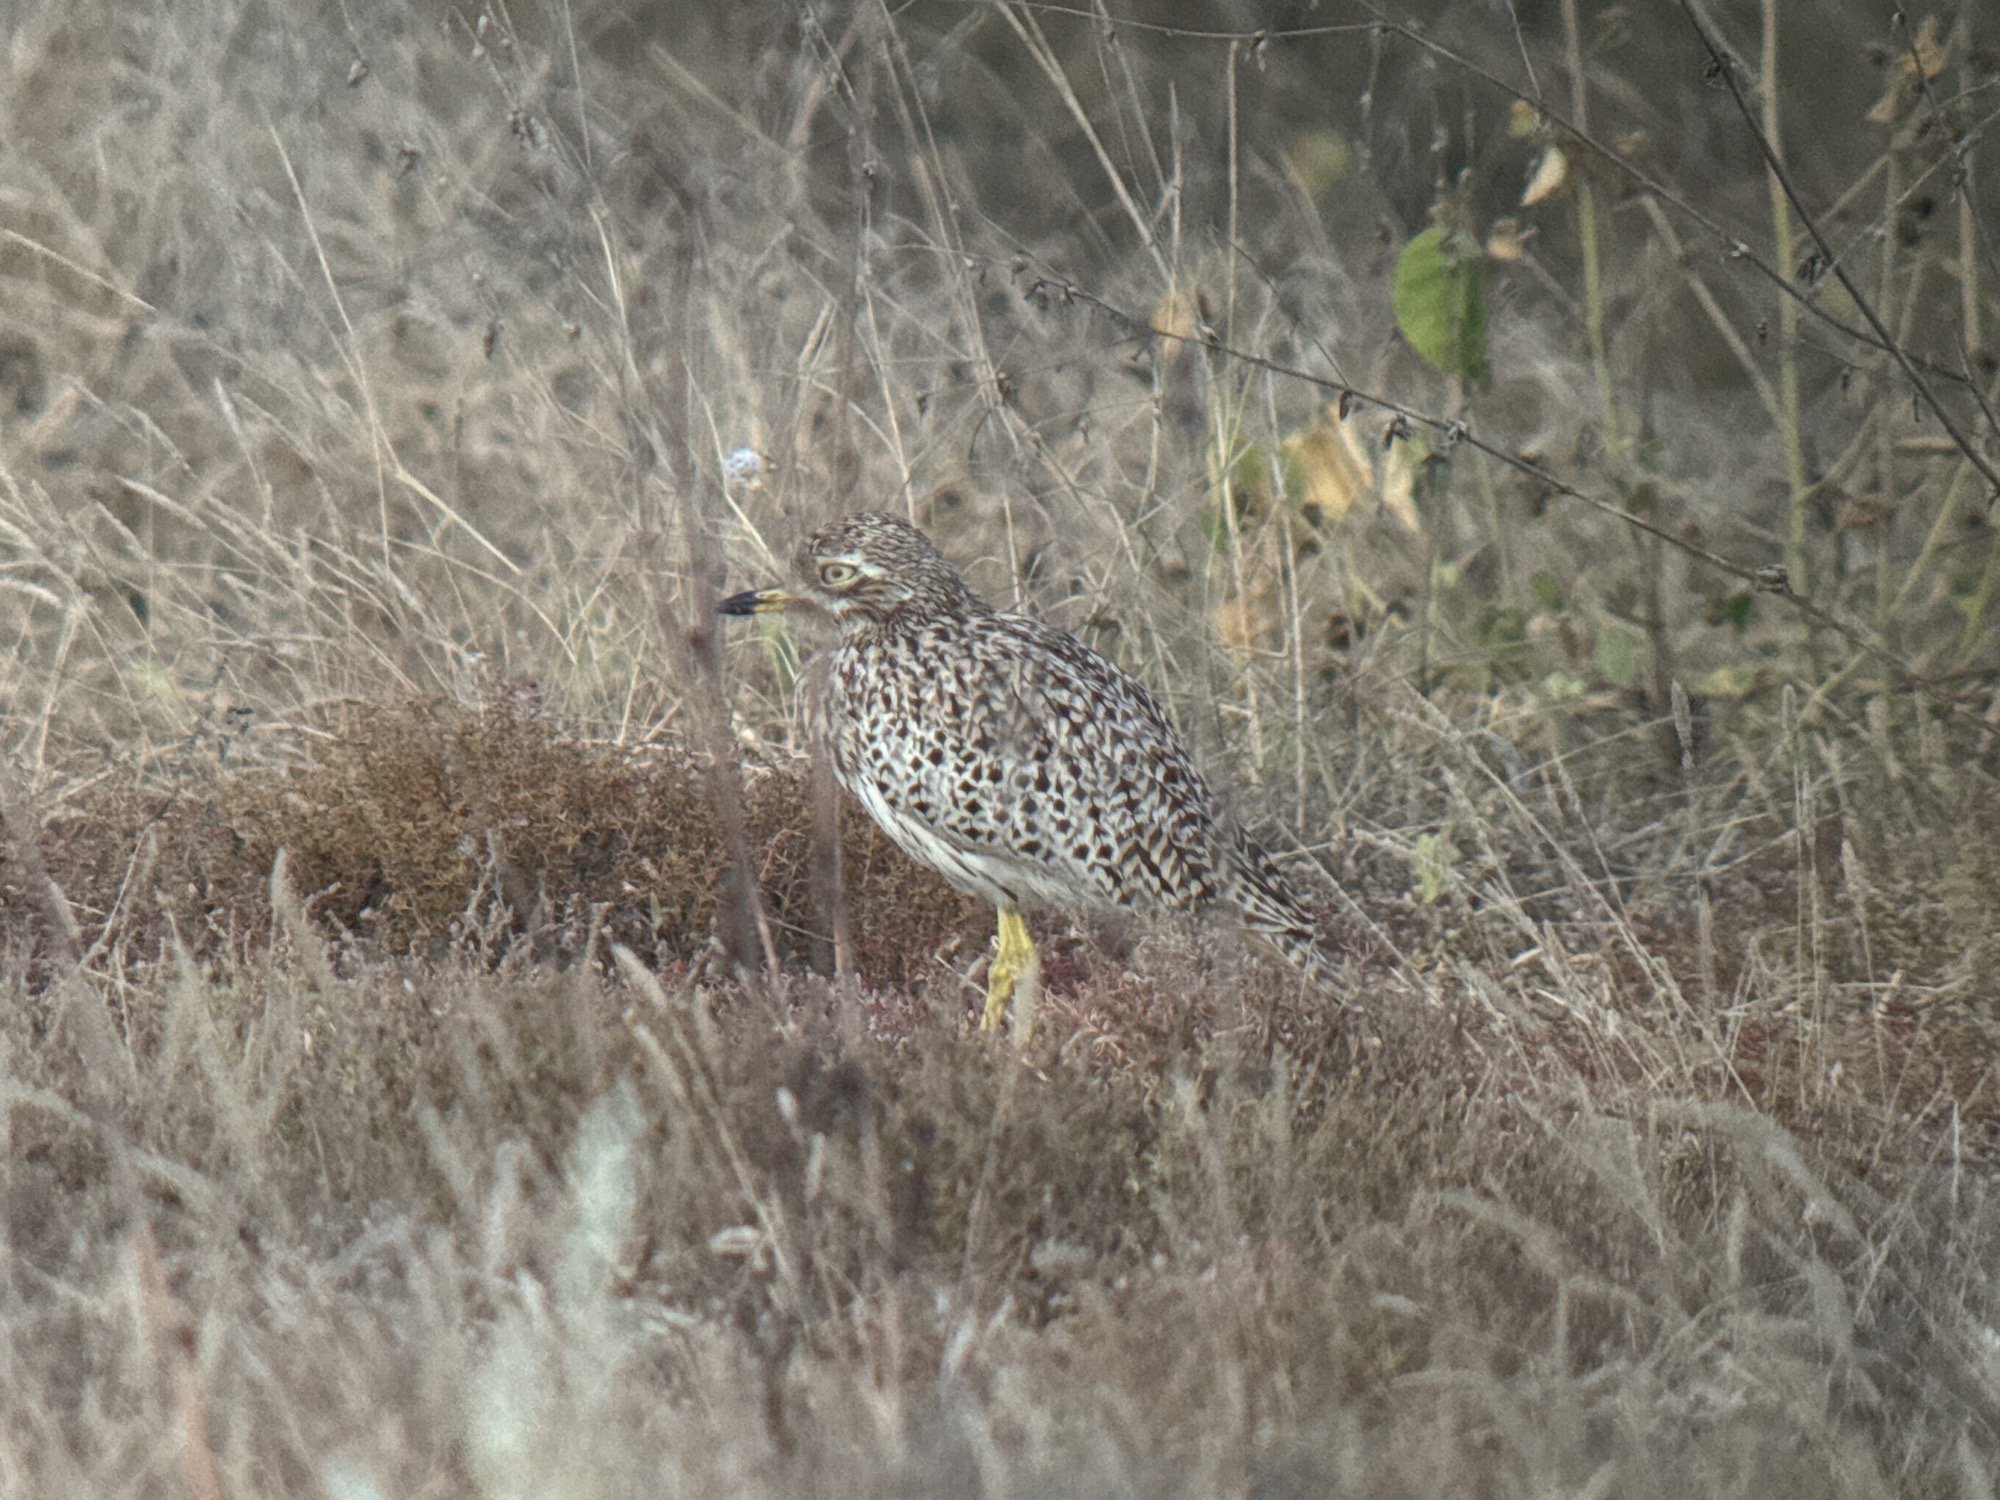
point(1007, 755)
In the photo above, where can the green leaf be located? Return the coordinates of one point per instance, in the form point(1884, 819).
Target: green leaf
point(1502, 632)
point(1257, 483)
point(1548, 592)
point(1620, 654)
point(1319, 160)
point(1435, 856)
point(1560, 686)
point(1736, 610)
point(1502, 625)
point(1737, 680)
point(1433, 482)
point(1215, 528)
point(1440, 300)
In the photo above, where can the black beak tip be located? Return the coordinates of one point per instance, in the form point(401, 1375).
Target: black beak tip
point(744, 603)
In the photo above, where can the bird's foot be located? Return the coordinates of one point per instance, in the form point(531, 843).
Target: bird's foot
point(1014, 959)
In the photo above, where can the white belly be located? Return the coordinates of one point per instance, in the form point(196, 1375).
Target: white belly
point(1003, 879)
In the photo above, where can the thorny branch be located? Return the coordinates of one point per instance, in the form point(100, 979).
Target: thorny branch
point(1874, 337)
point(1724, 69)
point(1769, 579)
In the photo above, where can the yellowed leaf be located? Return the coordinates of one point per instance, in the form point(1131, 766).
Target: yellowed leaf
point(151, 683)
point(1327, 466)
point(1174, 318)
point(1933, 54)
point(1858, 512)
point(1317, 160)
point(1505, 242)
point(1399, 486)
point(1925, 58)
point(1551, 172)
point(1523, 119)
point(1245, 622)
point(1249, 618)
point(1738, 680)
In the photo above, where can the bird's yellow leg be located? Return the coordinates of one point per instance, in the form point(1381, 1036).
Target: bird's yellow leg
point(1012, 957)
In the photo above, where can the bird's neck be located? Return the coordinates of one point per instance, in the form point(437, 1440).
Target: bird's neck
point(913, 616)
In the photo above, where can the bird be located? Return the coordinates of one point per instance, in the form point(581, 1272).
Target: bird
point(1008, 756)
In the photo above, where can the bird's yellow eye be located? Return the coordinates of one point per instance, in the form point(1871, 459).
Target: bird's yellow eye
point(836, 574)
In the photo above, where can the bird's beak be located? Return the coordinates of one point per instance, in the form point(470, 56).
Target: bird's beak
point(755, 602)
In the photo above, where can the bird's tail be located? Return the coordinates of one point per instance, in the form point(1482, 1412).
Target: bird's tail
point(1272, 909)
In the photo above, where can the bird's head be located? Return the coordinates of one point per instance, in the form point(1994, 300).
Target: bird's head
point(865, 571)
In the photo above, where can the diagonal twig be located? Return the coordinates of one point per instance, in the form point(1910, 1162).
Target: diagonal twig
point(1768, 579)
point(1725, 69)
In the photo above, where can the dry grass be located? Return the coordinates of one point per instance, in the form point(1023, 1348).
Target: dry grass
point(419, 1071)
